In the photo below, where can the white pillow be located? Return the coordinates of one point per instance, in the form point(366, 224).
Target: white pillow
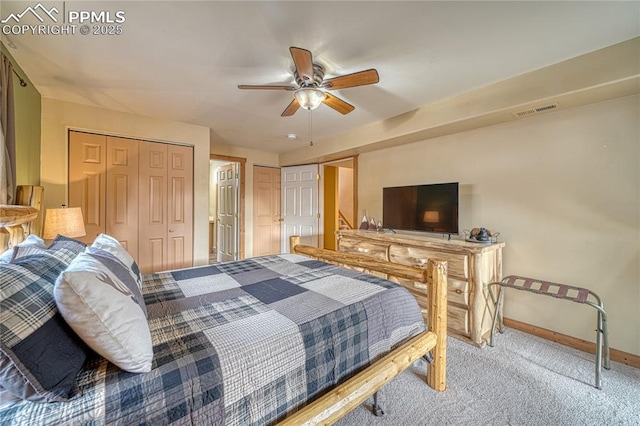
point(100, 300)
point(108, 243)
point(31, 241)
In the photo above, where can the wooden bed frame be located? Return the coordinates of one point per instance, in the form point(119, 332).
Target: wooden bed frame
point(347, 396)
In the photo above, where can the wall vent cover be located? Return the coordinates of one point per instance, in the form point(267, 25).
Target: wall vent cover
point(535, 110)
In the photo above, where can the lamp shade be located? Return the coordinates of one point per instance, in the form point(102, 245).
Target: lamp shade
point(431, 216)
point(309, 97)
point(64, 221)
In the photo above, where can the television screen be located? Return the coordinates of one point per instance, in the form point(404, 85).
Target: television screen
point(428, 208)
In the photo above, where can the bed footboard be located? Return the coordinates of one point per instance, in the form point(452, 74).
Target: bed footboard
point(356, 390)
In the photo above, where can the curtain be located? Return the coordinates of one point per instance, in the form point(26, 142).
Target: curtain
point(7, 134)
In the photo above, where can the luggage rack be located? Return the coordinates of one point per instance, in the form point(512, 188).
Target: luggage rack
point(565, 292)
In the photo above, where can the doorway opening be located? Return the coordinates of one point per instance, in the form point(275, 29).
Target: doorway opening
point(226, 208)
point(340, 198)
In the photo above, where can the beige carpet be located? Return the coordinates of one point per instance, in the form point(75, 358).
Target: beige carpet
point(523, 380)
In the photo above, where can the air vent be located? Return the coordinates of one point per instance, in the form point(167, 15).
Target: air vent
point(535, 110)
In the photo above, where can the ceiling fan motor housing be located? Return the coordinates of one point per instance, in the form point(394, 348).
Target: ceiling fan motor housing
point(318, 77)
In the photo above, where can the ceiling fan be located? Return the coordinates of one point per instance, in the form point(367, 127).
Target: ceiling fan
point(313, 89)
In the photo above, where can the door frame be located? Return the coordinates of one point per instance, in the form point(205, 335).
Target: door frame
point(321, 202)
point(243, 163)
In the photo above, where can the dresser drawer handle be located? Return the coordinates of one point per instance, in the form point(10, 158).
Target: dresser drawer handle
point(420, 263)
point(458, 291)
point(362, 250)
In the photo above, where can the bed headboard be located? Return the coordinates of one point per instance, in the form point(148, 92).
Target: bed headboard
point(26, 195)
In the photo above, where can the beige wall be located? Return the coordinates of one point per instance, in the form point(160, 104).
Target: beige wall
point(604, 74)
point(563, 188)
point(58, 117)
point(345, 194)
point(27, 121)
point(253, 157)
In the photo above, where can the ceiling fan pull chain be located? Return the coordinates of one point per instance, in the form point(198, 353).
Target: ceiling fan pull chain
point(310, 128)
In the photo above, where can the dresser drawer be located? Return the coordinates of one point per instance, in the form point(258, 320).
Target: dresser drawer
point(458, 291)
point(458, 320)
point(457, 316)
point(366, 248)
point(418, 256)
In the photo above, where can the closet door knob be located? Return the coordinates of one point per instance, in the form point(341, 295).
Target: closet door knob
point(170, 230)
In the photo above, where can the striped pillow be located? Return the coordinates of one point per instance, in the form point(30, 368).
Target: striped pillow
point(99, 298)
point(108, 243)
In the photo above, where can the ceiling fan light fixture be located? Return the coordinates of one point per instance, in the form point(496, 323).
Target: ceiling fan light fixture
point(309, 97)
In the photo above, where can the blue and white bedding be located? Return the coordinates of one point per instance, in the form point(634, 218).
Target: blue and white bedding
point(240, 343)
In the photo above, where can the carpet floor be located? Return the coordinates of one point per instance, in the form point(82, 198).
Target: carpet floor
point(523, 380)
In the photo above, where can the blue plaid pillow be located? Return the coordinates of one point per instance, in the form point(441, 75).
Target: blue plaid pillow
point(64, 248)
point(40, 355)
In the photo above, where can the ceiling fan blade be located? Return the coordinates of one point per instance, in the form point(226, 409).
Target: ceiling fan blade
point(338, 104)
point(291, 108)
point(265, 87)
point(303, 61)
point(352, 80)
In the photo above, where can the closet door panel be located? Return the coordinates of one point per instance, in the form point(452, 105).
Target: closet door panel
point(156, 255)
point(152, 194)
point(180, 206)
point(87, 180)
point(122, 192)
point(139, 192)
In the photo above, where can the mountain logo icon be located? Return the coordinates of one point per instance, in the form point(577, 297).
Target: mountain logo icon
point(38, 11)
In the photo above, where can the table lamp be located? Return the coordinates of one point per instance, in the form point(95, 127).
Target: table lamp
point(66, 221)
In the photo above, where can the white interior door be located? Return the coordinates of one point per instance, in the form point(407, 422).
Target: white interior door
point(300, 205)
point(227, 212)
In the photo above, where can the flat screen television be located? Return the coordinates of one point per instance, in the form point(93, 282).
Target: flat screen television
point(427, 208)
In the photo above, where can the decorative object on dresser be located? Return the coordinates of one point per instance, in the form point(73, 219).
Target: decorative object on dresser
point(365, 222)
point(471, 267)
point(481, 235)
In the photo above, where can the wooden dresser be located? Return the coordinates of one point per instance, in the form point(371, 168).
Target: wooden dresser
point(471, 266)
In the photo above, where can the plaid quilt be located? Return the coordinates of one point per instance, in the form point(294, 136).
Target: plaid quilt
point(240, 343)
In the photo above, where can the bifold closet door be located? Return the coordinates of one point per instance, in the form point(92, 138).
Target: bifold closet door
point(87, 180)
point(103, 182)
point(180, 206)
point(166, 207)
point(152, 248)
point(139, 192)
point(122, 192)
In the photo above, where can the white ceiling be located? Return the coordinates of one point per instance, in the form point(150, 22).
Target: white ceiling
point(183, 60)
